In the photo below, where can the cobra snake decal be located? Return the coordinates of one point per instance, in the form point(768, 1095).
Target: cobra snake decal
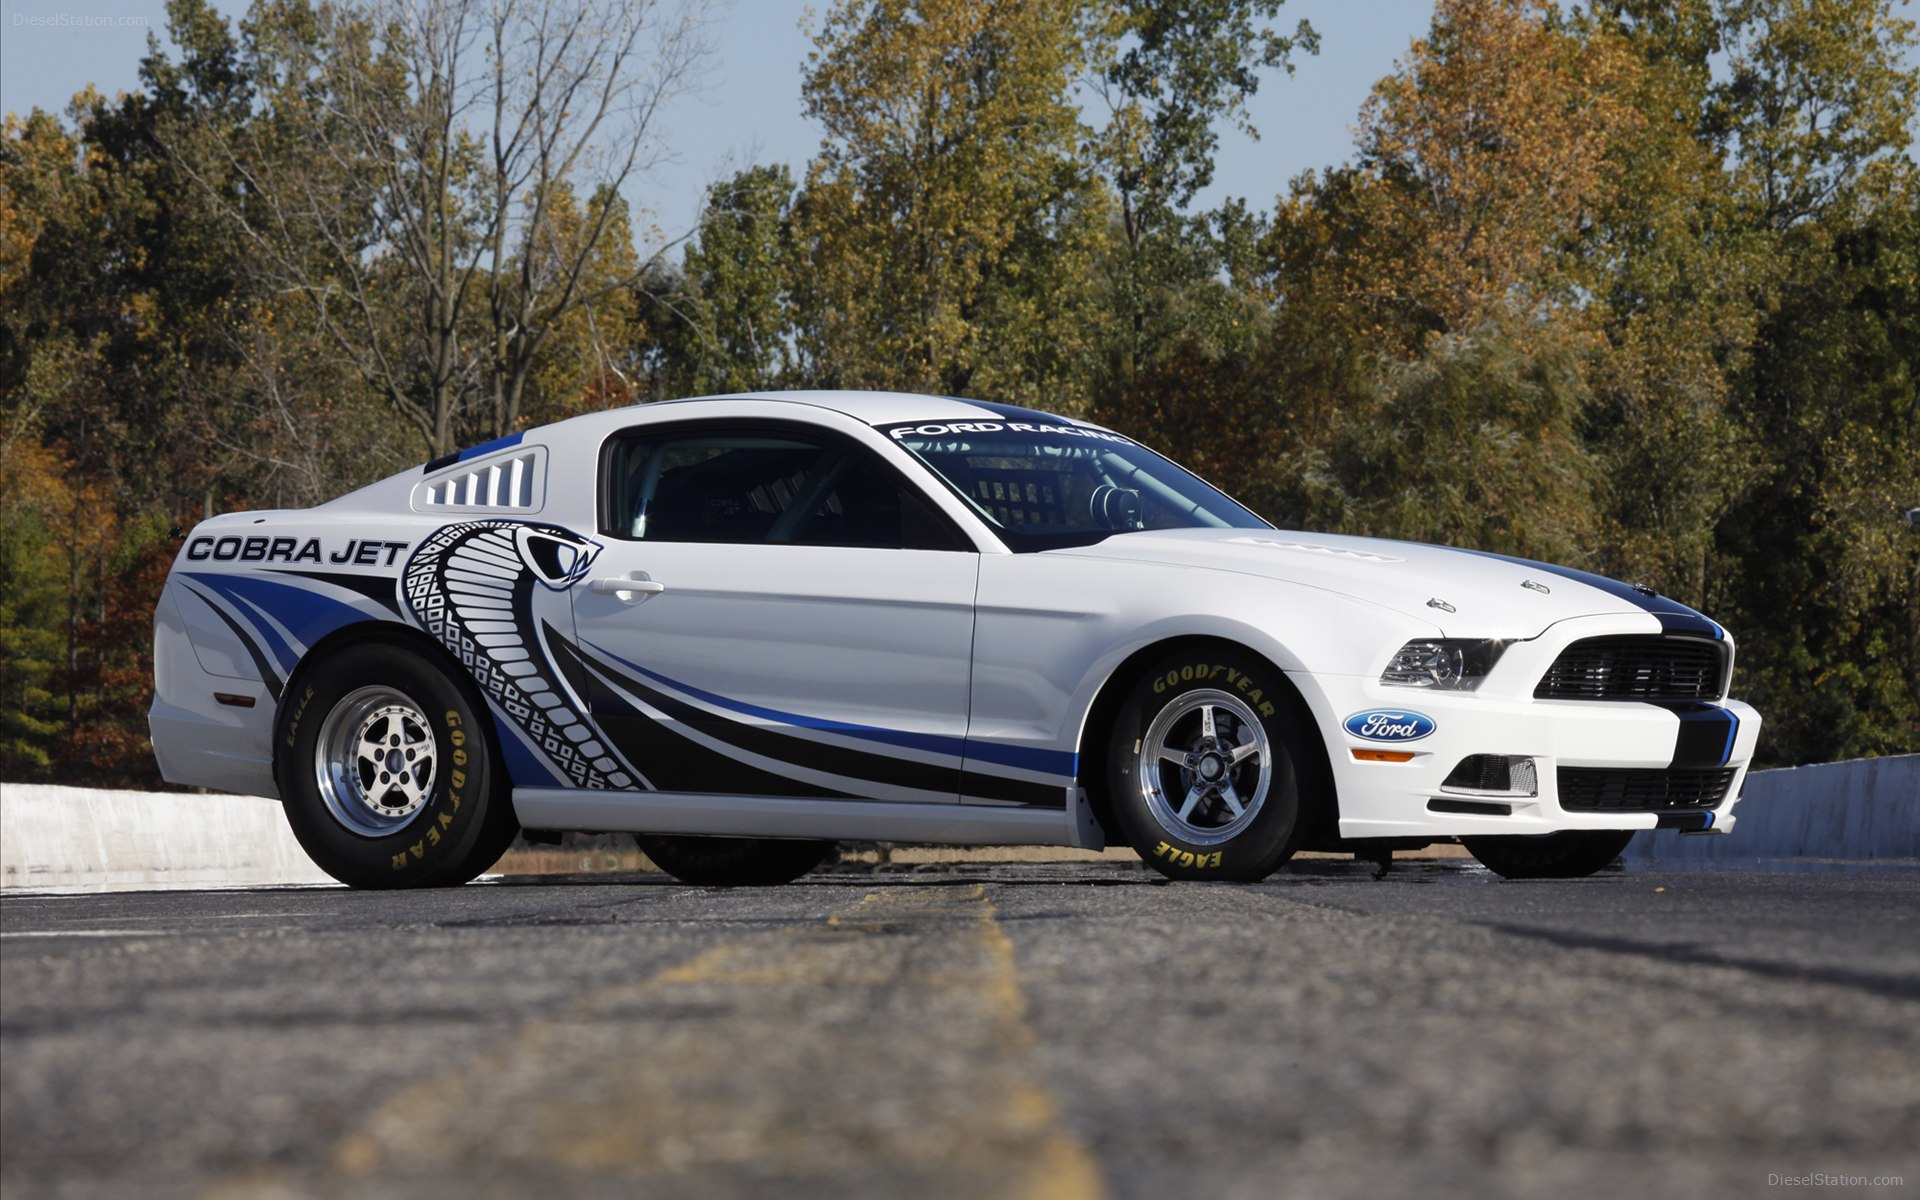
point(471, 586)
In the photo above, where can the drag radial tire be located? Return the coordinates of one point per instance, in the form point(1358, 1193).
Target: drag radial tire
point(733, 862)
point(388, 771)
point(1205, 765)
point(1570, 854)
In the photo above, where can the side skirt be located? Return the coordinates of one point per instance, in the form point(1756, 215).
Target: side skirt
point(774, 816)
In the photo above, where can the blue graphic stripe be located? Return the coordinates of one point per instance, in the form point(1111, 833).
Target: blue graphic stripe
point(306, 614)
point(1013, 412)
point(262, 623)
point(499, 443)
point(1051, 762)
point(268, 675)
point(447, 460)
point(1675, 617)
point(1733, 730)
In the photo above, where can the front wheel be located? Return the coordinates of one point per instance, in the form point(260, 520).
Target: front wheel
point(1569, 854)
point(387, 771)
point(1205, 766)
point(733, 862)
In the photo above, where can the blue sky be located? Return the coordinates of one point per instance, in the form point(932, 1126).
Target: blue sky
point(749, 108)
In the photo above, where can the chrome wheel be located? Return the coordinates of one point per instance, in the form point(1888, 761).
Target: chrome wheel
point(1205, 767)
point(375, 761)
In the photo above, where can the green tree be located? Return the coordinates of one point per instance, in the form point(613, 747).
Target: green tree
point(734, 328)
point(1671, 269)
point(1168, 77)
point(946, 184)
point(31, 608)
point(1820, 98)
point(1435, 343)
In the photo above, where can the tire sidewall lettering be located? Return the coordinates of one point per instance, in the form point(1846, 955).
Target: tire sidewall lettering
point(1197, 860)
point(299, 711)
point(1216, 674)
point(1259, 848)
point(464, 820)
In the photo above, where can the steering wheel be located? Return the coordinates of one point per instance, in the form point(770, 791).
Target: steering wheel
point(1115, 508)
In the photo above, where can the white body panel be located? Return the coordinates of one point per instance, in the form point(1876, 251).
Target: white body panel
point(954, 684)
point(765, 637)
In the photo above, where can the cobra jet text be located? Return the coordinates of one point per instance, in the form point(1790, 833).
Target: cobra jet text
point(293, 550)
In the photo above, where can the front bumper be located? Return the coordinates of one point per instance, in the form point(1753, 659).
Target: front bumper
point(1385, 799)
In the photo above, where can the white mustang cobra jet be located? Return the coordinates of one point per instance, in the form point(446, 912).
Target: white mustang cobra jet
point(744, 627)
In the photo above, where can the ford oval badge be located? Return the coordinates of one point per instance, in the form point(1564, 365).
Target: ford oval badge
point(1390, 725)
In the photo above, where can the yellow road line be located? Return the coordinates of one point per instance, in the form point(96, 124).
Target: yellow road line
point(884, 1050)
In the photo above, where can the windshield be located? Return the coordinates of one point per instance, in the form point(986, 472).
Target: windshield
point(1044, 486)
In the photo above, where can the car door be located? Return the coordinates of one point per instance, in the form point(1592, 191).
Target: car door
point(776, 612)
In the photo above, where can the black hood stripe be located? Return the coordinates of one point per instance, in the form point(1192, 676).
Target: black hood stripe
point(1674, 616)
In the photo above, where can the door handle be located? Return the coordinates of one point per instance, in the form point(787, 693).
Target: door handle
point(629, 589)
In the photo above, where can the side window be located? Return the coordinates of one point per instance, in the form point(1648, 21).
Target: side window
point(773, 487)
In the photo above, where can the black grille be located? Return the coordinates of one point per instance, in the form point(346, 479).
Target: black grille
point(1604, 789)
point(1637, 668)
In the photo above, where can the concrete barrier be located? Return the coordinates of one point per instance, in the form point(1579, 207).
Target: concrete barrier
point(1861, 810)
point(86, 839)
point(93, 840)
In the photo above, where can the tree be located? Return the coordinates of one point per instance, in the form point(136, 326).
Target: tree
point(410, 178)
point(947, 173)
point(734, 328)
point(1818, 98)
point(1670, 268)
point(1475, 443)
point(1436, 343)
point(1481, 157)
point(1824, 575)
point(31, 597)
point(588, 361)
point(1167, 76)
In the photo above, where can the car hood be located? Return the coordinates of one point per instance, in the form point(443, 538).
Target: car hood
point(1464, 592)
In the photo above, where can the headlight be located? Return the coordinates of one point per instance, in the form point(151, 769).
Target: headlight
point(1450, 664)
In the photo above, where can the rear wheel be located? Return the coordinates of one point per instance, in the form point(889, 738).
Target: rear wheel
point(1204, 767)
point(387, 771)
point(733, 862)
point(1570, 854)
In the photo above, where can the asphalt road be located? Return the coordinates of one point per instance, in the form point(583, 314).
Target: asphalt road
point(1039, 1030)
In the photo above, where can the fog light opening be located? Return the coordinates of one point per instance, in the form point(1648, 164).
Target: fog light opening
point(1493, 775)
